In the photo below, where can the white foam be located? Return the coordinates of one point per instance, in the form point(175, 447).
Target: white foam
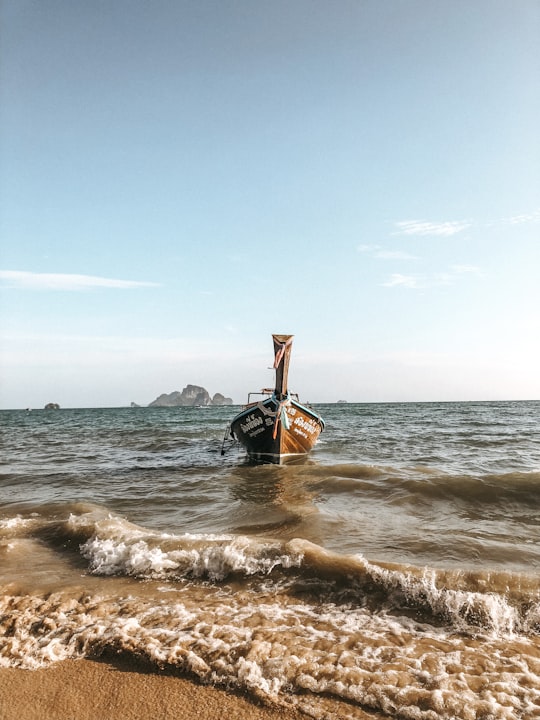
point(464, 609)
point(13, 524)
point(277, 645)
point(113, 551)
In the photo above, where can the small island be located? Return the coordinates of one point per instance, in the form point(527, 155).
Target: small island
point(191, 396)
point(52, 406)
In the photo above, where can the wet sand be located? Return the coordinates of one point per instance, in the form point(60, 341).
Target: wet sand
point(92, 690)
point(118, 690)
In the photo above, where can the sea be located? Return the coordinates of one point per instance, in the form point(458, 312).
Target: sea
point(395, 570)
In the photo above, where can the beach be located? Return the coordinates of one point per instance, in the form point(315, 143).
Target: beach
point(395, 573)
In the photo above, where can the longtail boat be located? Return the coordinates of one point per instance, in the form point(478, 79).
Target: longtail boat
point(277, 427)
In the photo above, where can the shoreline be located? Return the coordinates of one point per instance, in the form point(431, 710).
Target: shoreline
point(117, 689)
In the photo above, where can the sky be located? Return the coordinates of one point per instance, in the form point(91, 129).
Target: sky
point(179, 180)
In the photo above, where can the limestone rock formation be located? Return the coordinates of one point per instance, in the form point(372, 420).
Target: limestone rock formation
point(191, 396)
point(220, 399)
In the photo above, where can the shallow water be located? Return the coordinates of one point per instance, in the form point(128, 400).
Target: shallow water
point(397, 568)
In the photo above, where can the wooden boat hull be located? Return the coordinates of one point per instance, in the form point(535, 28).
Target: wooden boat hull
point(273, 431)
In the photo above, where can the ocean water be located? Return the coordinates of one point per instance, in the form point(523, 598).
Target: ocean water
point(394, 570)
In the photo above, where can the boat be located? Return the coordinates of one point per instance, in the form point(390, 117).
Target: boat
point(276, 427)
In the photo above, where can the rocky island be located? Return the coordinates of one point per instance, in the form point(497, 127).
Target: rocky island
point(191, 396)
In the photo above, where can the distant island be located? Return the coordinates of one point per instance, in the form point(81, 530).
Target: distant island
point(52, 406)
point(191, 396)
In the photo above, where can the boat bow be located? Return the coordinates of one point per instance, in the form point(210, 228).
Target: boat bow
point(277, 426)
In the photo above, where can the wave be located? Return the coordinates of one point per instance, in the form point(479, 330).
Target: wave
point(285, 621)
point(114, 552)
point(499, 602)
point(423, 482)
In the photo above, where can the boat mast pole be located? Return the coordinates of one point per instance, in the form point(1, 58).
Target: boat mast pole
point(282, 354)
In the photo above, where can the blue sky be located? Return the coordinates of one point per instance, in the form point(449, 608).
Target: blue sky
point(181, 179)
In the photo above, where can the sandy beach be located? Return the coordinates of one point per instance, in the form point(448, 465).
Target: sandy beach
point(93, 690)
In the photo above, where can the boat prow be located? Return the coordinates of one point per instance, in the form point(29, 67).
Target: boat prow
point(277, 427)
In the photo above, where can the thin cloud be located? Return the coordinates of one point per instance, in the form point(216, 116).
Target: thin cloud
point(440, 279)
point(58, 281)
point(406, 281)
point(426, 228)
point(463, 269)
point(533, 217)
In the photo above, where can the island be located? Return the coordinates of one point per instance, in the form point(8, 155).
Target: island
point(191, 396)
point(52, 406)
